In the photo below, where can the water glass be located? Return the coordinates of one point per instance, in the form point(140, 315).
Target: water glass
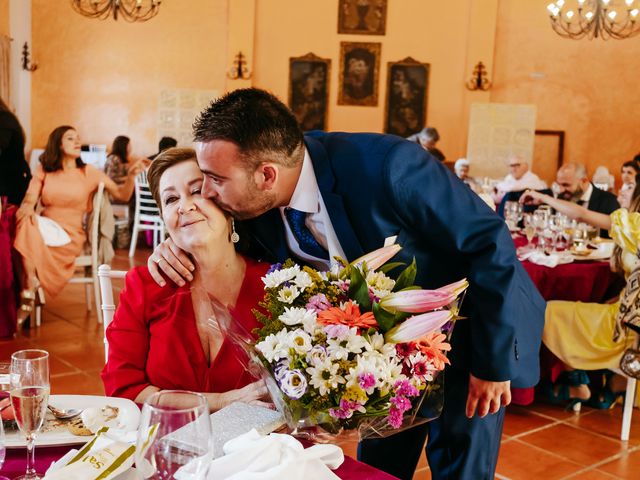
point(174, 436)
point(29, 378)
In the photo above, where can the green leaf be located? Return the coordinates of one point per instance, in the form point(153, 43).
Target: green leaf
point(407, 277)
point(386, 320)
point(387, 267)
point(358, 290)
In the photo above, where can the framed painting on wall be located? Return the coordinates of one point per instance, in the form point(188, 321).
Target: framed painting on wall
point(364, 17)
point(407, 88)
point(359, 69)
point(309, 90)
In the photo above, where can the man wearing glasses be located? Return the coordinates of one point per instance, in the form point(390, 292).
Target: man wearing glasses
point(518, 179)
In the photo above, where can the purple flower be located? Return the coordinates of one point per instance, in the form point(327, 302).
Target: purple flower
point(366, 381)
point(401, 403)
point(318, 303)
point(294, 384)
point(395, 418)
point(274, 267)
point(403, 387)
point(346, 409)
point(339, 332)
point(280, 369)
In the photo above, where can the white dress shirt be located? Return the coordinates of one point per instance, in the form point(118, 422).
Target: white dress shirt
point(306, 198)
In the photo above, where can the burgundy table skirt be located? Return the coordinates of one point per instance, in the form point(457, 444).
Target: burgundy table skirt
point(16, 461)
point(577, 282)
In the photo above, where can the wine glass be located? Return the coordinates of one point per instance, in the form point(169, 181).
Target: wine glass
point(529, 228)
point(29, 377)
point(174, 435)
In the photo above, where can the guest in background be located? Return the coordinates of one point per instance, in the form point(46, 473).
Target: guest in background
point(64, 185)
point(573, 185)
point(462, 168)
point(164, 144)
point(518, 179)
point(603, 179)
point(628, 174)
point(14, 169)
point(587, 336)
point(119, 161)
point(161, 338)
point(428, 137)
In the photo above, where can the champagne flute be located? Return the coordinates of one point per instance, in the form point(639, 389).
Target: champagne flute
point(529, 228)
point(174, 436)
point(29, 379)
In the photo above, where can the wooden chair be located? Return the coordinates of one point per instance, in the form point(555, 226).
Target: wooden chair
point(147, 214)
point(105, 274)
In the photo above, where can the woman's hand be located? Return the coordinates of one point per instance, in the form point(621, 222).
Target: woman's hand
point(173, 261)
point(136, 168)
point(255, 393)
point(532, 197)
point(25, 211)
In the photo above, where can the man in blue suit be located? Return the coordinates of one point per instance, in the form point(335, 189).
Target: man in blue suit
point(328, 194)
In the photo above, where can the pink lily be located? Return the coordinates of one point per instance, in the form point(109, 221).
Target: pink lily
point(378, 257)
point(416, 301)
point(416, 327)
point(455, 287)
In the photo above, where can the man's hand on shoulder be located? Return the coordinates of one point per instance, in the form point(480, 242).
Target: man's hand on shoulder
point(487, 397)
point(172, 261)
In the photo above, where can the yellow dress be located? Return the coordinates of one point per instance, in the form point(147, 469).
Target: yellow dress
point(581, 334)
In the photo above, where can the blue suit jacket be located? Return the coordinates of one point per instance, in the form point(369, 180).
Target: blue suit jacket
point(376, 186)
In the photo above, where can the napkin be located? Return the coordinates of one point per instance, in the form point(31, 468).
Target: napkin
point(274, 457)
point(107, 455)
point(548, 260)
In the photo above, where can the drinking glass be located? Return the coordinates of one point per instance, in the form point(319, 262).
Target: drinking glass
point(529, 228)
point(5, 387)
point(29, 377)
point(174, 435)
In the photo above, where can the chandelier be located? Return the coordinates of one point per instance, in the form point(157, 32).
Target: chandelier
point(595, 18)
point(130, 10)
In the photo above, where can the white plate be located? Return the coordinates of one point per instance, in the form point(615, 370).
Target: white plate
point(594, 255)
point(62, 436)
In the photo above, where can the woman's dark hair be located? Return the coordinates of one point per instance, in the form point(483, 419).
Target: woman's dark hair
point(119, 148)
point(632, 164)
point(51, 158)
point(257, 122)
point(5, 108)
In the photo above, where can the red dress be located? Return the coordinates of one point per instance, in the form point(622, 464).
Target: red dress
point(153, 338)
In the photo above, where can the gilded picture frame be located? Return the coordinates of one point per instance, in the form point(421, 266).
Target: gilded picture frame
point(359, 72)
point(309, 79)
point(362, 17)
point(407, 97)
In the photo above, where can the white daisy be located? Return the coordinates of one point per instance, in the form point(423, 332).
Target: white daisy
point(324, 377)
point(278, 277)
point(300, 341)
point(302, 280)
point(297, 315)
point(288, 294)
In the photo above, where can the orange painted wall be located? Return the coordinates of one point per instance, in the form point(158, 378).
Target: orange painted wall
point(104, 77)
point(4, 17)
point(430, 32)
point(589, 89)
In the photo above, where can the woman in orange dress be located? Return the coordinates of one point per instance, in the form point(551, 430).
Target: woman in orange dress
point(64, 185)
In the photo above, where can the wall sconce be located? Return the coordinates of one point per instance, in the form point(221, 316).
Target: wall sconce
point(239, 70)
point(27, 64)
point(479, 80)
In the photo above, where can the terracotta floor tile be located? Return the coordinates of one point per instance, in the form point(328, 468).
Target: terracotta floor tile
point(521, 461)
point(593, 475)
point(77, 383)
point(609, 423)
point(554, 411)
point(627, 466)
point(522, 419)
point(575, 444)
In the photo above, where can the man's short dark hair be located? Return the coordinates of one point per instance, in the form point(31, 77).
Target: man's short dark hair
point(257, 122)
point(166, 142)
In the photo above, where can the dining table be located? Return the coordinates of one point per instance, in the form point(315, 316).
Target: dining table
point(578, 281)
point(15, 463)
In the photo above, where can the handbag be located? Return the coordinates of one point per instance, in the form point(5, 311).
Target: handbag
point(630, 363)
point(52, 233)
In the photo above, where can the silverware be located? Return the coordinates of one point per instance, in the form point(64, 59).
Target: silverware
point(62, 414)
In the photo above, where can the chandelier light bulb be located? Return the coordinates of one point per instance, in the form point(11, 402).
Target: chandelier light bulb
point(589, 16)
point(569, 15)
point(634, 14)
point(605, 2)
point(612, 15)
point(628, 2)
point(581, 2)
point(560, 3)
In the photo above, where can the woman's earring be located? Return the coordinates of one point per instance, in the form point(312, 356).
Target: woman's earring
point(235, 238)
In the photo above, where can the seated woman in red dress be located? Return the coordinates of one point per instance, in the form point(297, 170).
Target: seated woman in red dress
point(161, 338)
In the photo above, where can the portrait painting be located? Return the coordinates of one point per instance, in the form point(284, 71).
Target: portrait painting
point(359, 70)
point(407, 88)
point(309, 90)
point(363, 17)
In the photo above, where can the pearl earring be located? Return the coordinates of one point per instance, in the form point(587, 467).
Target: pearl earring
point(235, 238)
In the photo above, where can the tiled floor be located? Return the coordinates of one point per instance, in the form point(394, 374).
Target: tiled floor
point(540, 441)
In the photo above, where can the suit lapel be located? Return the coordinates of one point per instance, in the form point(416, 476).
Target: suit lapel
point(334, 203)
point(268, 232)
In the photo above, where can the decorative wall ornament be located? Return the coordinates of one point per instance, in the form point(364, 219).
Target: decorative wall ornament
point(479, 80)
point(239, 70)
point(309, 78)
point(595, 18)
point(364, 17)
point(359, 70)
point(407, 92)
point(27, 64)
point(130, 10)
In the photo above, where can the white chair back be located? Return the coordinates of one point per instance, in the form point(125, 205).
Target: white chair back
point(147, 215)
point(105, 274)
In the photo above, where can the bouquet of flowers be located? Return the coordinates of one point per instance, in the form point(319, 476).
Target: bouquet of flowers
point(352, 348)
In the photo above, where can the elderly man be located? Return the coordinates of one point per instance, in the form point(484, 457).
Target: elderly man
point(574, 185)
point(518, 179)
point(427, 138)
point(462, 167)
